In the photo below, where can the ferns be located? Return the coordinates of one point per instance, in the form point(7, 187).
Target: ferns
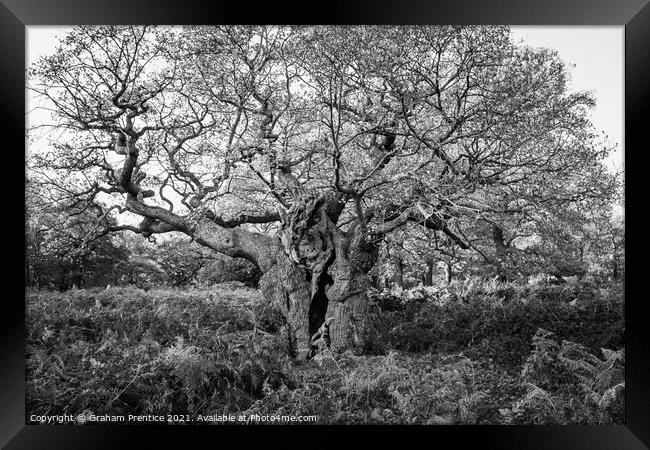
point(214, 352)
point(539, 367)
point(596, 375)
point(568, 384)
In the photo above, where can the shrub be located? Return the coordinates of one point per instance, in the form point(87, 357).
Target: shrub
point(498, 320)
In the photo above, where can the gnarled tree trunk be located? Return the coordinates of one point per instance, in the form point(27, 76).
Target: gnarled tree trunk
point(286, 285)
point(319, 277)
point(339, 295)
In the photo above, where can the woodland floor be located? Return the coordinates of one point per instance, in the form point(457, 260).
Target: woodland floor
point(473, 352)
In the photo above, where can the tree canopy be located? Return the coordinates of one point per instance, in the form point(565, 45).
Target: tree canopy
point(441, 125)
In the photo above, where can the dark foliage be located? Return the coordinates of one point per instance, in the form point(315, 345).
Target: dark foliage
point(499, 320)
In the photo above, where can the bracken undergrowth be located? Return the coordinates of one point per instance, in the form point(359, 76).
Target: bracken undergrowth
point(472, 352)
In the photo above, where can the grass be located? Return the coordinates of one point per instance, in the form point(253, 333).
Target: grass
point(469, 353)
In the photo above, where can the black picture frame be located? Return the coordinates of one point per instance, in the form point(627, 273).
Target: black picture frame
point(16, 15)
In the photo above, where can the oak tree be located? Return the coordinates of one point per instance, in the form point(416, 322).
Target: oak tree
point(301, 148)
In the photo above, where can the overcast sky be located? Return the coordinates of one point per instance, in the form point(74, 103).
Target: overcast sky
point(597, 54)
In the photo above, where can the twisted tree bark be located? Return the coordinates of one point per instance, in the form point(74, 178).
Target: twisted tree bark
point(319, 275)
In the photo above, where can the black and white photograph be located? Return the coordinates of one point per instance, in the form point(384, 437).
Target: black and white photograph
point(324, 225)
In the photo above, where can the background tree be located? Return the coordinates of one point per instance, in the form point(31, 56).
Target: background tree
point(59, 252)
point(301, 148)
point(181, 261)
point(433, 254)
